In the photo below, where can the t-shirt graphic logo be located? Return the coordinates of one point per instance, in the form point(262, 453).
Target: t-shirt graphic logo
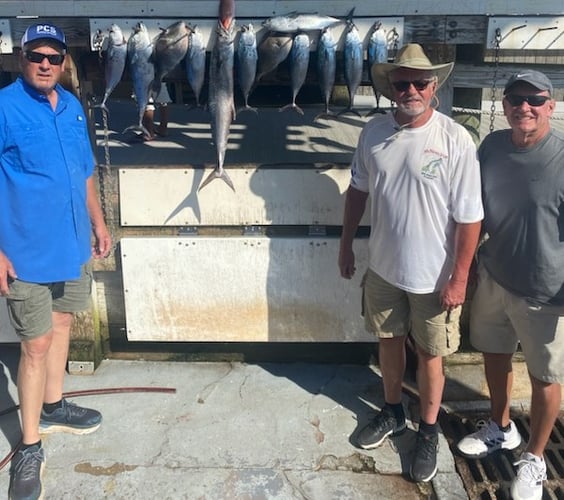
point(430, 170)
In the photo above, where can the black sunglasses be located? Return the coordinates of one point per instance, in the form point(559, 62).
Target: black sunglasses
point(37, 57)
point(402, 86)
point(531, 100)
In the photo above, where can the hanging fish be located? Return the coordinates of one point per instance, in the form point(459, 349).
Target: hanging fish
point(195, 62)
point(326, 67)
point(220, 101)
point(247, 57)
point(354, 60)
point(377, 53)
point(299, 61)
point(139, 50)
point(272, 50)
point(170, 47)
point(294, 22)
point(116, 56)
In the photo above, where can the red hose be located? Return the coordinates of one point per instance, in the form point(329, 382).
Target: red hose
point(85, 392)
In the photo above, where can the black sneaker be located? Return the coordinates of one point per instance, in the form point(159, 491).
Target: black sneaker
point(382, 425)
point(70, 418)
point(27, 469)
point(424, 464)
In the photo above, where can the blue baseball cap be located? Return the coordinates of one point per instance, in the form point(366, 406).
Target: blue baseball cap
point(44, 31)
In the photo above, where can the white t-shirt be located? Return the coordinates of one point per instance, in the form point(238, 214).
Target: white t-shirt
point(421, 182)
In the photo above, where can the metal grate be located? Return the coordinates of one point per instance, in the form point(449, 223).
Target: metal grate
point(489, 478)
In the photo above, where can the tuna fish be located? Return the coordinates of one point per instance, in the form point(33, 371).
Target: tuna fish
point(377, 53)
point(220, 99)
point(196, 62)
point(326, 67)
point(272, 50)
point(139, 50)
point(170, 48)
point(294, 22)
point(354, 60)
point(116, 56)
point(299, 61)
point(247, 57)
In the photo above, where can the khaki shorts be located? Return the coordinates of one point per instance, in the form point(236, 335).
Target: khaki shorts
point(30, 305)
point(499, 320)
point(391, 312)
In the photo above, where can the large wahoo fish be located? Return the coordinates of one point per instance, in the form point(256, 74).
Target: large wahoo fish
point(220, 101)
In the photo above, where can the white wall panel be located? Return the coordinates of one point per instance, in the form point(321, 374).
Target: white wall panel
point(240, 289)
point(169, 196)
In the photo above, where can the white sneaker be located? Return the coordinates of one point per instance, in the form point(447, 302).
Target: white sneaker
point(527, 485)
point(489, 438)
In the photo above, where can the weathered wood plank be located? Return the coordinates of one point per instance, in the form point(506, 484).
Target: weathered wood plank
point(481, 76)
point(264, 8)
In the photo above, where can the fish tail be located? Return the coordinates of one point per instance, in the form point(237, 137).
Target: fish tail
point(217, 174)
point(294, 106)
point(102, 106)
point(326, 114)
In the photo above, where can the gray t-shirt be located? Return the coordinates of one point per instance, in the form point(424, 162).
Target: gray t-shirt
point(523, 194)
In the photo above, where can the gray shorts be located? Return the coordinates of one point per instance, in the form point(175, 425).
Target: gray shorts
point(499, 320)
point(392, 312)
point(30, 305)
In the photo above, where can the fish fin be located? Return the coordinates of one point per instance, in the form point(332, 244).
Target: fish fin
point(350, 15)
point(215, 175)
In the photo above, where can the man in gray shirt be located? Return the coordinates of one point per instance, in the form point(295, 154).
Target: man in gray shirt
point(520, 293)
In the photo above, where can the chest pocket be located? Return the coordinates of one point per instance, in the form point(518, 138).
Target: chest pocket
point(28, 147)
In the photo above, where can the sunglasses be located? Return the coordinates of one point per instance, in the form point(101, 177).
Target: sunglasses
point(37, 57)
point(531, 100)
point(402, 86)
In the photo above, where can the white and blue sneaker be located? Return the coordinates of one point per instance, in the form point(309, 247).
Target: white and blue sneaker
point(489, 438)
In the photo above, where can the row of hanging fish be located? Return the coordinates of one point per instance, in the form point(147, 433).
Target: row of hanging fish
point(150, 60)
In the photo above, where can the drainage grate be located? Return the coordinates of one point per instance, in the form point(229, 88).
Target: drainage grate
point(490, 477)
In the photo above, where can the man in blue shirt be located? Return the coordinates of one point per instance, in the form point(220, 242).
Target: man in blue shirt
point(49, 207)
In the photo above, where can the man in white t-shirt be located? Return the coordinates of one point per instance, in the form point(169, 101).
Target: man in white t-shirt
point(421, 171)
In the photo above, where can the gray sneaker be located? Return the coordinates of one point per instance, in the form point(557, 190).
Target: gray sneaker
point(382, 425)
point(70, 418)
point(424, 463)
point(27, 469)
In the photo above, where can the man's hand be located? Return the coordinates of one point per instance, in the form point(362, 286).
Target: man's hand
point(7, 272)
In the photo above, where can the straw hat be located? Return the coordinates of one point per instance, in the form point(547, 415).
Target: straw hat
point(410, 56)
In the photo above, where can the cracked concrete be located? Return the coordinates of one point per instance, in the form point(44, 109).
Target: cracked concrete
point(231, 431)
